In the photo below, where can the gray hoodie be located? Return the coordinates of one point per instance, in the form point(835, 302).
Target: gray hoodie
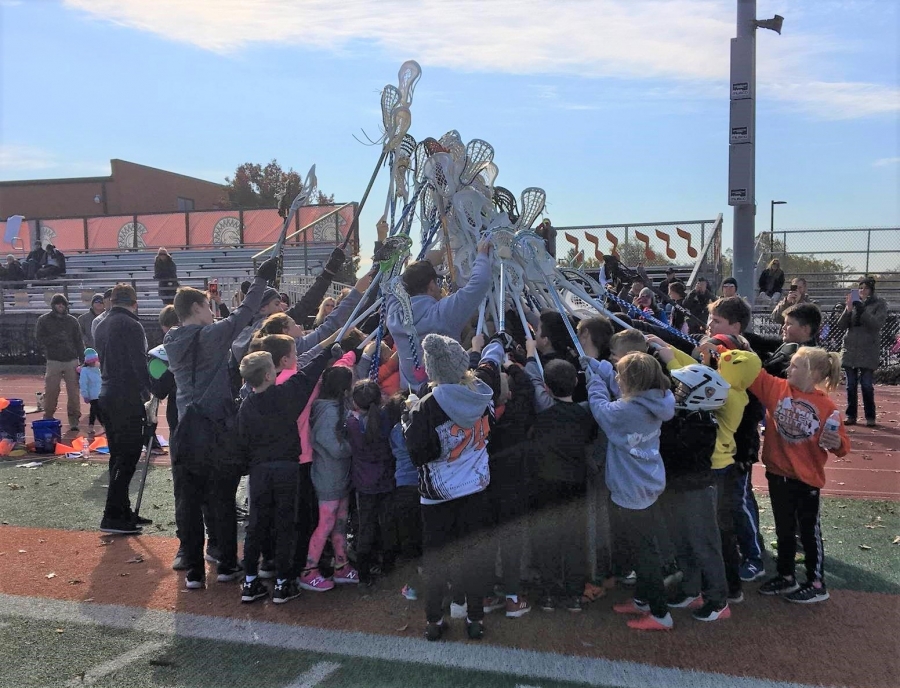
point(635, 474)
point(430, 316)
point(212, 358)
point(330, 470)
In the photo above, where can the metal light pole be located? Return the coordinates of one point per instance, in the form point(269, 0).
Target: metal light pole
point(772, 224)
point(742, 138)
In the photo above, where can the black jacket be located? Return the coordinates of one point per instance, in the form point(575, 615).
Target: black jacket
point(561, 437)
point(122, 345)
point(267, 421)
point(686, 444)
point(164, 268)
point(308, 304)
point(59, 336)
point(696, 303)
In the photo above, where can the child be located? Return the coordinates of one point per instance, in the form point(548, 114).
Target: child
point(559, 482)
point(331, 479)
point(634, 470)
point(446, 434)
point(89, 381)
point(801, 326)
point(267, 424)
point(625, 342)
point(372, 476)
point(795, 450)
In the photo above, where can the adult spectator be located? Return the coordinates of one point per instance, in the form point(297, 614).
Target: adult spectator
point(663, 287)
point(432, 313)
point(862, 347)
point(771, 281)
point(697, 302)
point(34, 260)
point(166, 272)
point(85, 320)
point(646, 301)
point(54, 263)
point(107, 304)
point(208, 471)
point(325, 309)
point(58, 335)
point(797, 294)
point(676, 293)
point(12, 271)
point(632, 291)
point(122, 344)
point(547, 232)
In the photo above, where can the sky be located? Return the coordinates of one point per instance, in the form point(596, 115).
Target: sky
point(617, 108)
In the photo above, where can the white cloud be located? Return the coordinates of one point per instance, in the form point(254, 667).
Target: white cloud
point(25, 158)
point(682, 40)
point(885, 162)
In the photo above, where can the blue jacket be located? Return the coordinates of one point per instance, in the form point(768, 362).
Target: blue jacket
point(405, 473)
point(635, 474)
point(89, 381)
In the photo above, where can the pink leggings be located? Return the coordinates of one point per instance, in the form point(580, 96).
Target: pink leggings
point(333, 524)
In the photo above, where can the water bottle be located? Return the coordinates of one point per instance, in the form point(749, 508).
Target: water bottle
point(832, 424)
point(85, 448)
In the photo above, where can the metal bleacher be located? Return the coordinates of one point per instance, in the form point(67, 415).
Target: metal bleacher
point(95, 272)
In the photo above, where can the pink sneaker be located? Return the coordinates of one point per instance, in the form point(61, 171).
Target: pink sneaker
point(315, 581)
point(346, 575)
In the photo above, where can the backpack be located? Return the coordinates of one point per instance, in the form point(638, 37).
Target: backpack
point(686, 443)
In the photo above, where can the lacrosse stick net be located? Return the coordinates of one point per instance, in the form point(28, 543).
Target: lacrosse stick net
point(408, 77)
point(505, 202)
point(479, 154)
point(533, 201)
point(452, 142)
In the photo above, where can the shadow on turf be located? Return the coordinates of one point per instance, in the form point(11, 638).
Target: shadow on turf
point(854, 578)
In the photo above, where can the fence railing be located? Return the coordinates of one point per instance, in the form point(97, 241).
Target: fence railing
point(858, 249)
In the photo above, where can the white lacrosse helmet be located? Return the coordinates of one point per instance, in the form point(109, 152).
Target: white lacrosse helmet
point(159, 352)
point(699, 388)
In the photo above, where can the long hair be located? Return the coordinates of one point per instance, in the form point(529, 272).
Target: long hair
point(336, 383)
point(367, 397)
point(320, 316)
point(277, 323)
point(825, 366)
point(639, 372)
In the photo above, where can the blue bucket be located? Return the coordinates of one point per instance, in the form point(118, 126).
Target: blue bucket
point(12, 421)
point(46, 434)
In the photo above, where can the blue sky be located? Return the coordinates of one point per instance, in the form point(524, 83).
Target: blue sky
point(618, 108)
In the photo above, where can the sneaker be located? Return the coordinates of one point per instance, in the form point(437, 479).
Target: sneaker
point(779, 585)
point(808, 594)
point(573, 604)
point(713, 611)
point(493, 603)
point(632, 607)
point(315, 581)
point(213, 556)
point(180, 562)
point(267, 570)
point(687, 602)
point(849, 421)
point(870, 422)
point(434, 630)
point(514, 610)
point(547, 603)
point(752, 570)
point(736, 597)
point(141, 521)
point(459, 611)
point(227, 574)
point(630, 579)
point(474, 629)
point(346, 575)
point(195, 579)
point(409, 593)
point(671, 576)
point(253, 590)
point(648, 622)
point(119, 527)
point(285, 591)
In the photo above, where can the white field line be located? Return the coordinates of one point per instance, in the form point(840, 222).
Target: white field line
point(318, 673)
point(91, 676)
point(528, 664)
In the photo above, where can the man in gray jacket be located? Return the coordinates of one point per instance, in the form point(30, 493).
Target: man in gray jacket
point(862, 347)
point(58, 335)
point(198, 354)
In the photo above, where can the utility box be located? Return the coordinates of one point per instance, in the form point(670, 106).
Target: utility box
point(741, 174)
point(742, 122)
point(743, 66)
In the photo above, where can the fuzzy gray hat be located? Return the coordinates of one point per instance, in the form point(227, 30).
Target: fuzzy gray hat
point(446, 362)
point(269, 295)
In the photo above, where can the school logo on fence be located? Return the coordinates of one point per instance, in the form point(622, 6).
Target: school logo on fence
point(126, 235)
point(227, 232)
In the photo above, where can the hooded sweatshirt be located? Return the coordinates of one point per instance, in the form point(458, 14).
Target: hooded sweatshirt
point(635, 474)
point(447, 433)
point(372, 467)
point(59, 335)
point(331, 448)
point(430, 316)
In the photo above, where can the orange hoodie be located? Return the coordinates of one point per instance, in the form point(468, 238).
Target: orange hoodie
point(794, 423)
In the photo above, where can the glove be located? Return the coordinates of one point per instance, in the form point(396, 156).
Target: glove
point(268, 270)
point(335, 261)
point(505, 340)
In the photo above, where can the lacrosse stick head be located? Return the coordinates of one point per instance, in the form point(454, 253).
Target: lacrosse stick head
point(452, 142)
point(442, 172)
point(407, 147)
point(504, 241)
point(489, 174)
point(531, 253)
point(390, 98)
point(470, 210)
point(401, 119)
point(533, 201)
point(408, 76)
point(505, 202)
point(478, 154)
point(391, 250)
point(395, 287)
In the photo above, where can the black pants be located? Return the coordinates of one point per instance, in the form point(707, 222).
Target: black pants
point(406, 522)
point(509, 504)
point(373, 512)
point(125, 436)
point(273, 503)
point(794, 502)
point(215, 486)
point(558, 534)
point(306, 517)
point(726, 492)
point(96, 413)
point(864, 377)
point(458, 549)
point(638, 530)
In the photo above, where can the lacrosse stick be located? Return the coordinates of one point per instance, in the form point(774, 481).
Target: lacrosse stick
point(452, 143)
point(442, 173)
point(395, 286)
point(505, 202)
point(306, 191)
point(149, 436)
point(631, 309)
point(489, 174)
point(503, 241)
point(478, 155)
point(532, 204)
point(408, 77)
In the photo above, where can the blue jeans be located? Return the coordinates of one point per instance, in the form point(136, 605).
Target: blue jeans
point(865, 378)
point(746, 519)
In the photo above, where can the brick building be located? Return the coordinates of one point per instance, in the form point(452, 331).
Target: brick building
point(130, 188)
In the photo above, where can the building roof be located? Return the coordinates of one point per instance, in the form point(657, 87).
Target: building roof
point(84, 180)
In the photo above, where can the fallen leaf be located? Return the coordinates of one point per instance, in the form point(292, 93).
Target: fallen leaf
point(23, 551)
point(41, 540)
point(75, 581)
point(896, 540)
point(124, 574)
point(135, 560)
point(60, 630)
point(867, 457)
point(89, 599)
point(14, 486)
point(842, 483)
point(864, 547)
point(403, 627)
point(586, 644)
point(50, 575)
point(104, 543)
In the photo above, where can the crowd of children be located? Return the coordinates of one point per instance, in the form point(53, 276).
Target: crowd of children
point(484, 473)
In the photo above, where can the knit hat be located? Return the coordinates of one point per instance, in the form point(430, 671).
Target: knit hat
point(730, 280)
point(59, 298)
point(867, 282)
point(98, 298)
point(269, 295)
point(446, 362)
point(90, 355)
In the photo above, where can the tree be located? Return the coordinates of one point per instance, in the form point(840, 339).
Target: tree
point(255, 186)
point(829, 273)
point(589, 263)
